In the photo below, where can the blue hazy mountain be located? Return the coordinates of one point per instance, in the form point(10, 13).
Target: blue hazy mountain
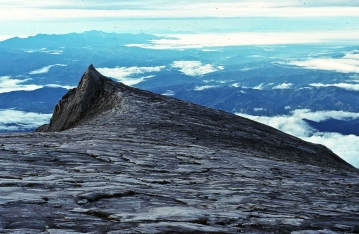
point(272, 101)
point(41, 100)
point(347, 127)
point(90, 38)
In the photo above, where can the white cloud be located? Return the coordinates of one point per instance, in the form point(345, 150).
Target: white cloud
point(130, 75)
point(346, 147)
point(60, 86)
point(323, 115)
point(195, 68)
point(259, 109)
point(347, 64)
point(169, 93)
point(185, 41)
point(13, 120)
point(44, 50)
point(260, 86)
point(248, 68)
point(7, 84)
point(283, 86)
point(288, 124)
point(199, 88)
point(217, 81)
point(45, 69)
point(346, 86)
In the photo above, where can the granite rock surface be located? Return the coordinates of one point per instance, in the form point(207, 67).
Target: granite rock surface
point(115, 159)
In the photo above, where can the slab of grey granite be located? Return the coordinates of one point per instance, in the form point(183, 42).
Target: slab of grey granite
point(136, 162)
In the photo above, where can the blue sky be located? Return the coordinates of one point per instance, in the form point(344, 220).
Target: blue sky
point(319, 20)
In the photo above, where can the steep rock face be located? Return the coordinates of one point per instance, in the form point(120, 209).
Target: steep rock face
point(76, 105)
point(130, 161)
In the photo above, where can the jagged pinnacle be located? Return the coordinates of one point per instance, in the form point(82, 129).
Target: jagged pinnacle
point(77, 102)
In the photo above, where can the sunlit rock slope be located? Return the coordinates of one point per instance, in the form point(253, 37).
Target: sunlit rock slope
point(116, 159)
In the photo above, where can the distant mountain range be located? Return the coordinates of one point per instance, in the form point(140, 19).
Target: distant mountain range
point(269, 102)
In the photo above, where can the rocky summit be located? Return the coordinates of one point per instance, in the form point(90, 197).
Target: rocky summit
point(116, 159)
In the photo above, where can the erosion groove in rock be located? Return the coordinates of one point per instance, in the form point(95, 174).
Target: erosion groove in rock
point(115, 159)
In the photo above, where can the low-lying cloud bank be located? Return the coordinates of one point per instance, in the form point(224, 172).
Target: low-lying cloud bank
point(130, 75)
point(349, 63)
point(263, 86)
point(45, 69)
point(200, 88)
point(186, 41)
point(45, 50)
point(283, 86)
point(60, 86)
point(195, 68)
point(169, 93)
point(14, 120)
point(354, 87)
point(346, 147)
point(7, 84)
point(135, 75)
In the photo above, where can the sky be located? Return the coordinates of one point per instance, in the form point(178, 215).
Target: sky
point(261, 20)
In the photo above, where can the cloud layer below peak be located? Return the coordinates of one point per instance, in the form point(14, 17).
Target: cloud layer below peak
point(346, 147)
point(349, 63)
point(354, 87)
point(195, 68)
point(14, 120)
point(45, 69)
point(7, 84)
point(130, 75)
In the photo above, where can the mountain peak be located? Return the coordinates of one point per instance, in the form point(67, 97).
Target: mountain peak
point(76, 104)
point(100, 103)
point(91, 82)
point(91, 67)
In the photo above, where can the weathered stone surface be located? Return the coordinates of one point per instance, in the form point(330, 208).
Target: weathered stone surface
point(92, 93)
point(135, 162)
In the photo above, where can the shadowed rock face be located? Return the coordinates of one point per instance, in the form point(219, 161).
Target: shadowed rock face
point(118, 159)
point(92, 93)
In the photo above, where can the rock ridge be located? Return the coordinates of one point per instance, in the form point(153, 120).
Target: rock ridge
point(99, 102)
point(119, 159)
